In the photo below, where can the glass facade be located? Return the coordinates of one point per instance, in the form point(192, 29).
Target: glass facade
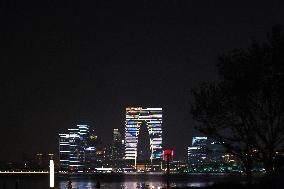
point(117, 153)
point(205, 151)
point(75, 149)
point(76, 156)
point(64, 151)
point(197, 153)
point(152, 117)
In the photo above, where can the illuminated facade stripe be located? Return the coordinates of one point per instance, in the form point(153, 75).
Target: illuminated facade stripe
point(135, 116)
point(72, 147)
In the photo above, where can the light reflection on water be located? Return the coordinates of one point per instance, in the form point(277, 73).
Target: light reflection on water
point(114, 182)
point(113, 185)
point(83, 184)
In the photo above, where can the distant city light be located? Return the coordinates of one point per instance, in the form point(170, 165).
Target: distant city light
point(168, 154)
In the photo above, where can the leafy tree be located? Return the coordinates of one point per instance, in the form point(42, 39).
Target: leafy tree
point(245, 108)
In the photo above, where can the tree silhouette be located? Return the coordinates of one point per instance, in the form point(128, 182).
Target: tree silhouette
point(245, 108)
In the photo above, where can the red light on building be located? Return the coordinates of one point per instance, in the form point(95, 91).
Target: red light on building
point(168, 154)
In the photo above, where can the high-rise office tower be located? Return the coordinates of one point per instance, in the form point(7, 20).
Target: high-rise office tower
point(75, 148)
point(76, 156)
point(64, 151)
point(205, 150)
point(197, 152)
point(216, 151)
point(117, 148)
point(151, 118)
point(90, 150)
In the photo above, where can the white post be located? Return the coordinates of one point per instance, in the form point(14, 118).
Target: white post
point(51, 174)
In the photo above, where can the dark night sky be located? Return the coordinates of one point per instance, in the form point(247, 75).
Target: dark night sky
point(68, 63)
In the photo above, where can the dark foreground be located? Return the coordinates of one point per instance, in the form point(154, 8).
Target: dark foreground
point(228, 185)
point(275, 181)
point(134, 181)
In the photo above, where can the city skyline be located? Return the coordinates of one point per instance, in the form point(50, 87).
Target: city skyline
point(65, 64)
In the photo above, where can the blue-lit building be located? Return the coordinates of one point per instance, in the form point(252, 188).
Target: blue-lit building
point(204, 150)
point(75, 149)
point(152, 119)
point(197, 152)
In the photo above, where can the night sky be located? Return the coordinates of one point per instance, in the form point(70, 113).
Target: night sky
point(68, 63)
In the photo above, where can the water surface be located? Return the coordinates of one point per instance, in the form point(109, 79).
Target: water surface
point(116, 181)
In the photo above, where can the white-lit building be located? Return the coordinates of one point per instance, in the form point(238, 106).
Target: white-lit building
point(74, 149)
point(152, 118)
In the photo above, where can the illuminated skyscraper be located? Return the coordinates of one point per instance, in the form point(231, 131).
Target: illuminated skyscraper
point(116, 146)
point(73, 148)
point(64, 151)
point(90, 151)
point(76, 156)
point(152, 119)
point(197, 153)
point(216, 151)
point(205, 150)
